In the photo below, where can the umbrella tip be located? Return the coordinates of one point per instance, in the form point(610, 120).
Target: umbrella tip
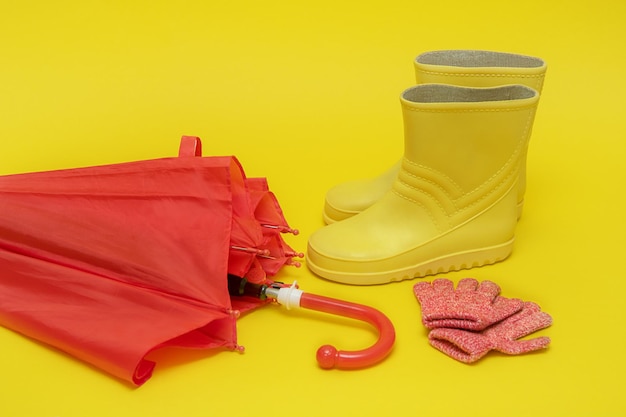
point(294, 263)
point(282, 229)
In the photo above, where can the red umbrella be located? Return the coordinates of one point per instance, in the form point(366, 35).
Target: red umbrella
point(111, 262)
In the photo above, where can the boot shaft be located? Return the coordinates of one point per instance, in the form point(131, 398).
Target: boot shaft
point(463, 144)
point(474, 68)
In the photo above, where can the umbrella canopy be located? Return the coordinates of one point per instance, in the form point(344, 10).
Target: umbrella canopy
point(111, 262)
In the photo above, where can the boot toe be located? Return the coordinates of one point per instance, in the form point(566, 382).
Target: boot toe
point(348, 199)
point(373, 247)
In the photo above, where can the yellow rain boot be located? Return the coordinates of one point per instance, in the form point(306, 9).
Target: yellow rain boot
point(453, 204)
point(349, 198)
point(470, 68)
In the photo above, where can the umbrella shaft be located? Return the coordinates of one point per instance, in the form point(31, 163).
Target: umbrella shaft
point(240, 287)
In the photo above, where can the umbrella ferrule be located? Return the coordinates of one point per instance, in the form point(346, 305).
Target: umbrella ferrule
point(287, 296)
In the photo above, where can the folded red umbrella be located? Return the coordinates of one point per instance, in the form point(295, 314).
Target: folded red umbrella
point(110, 262)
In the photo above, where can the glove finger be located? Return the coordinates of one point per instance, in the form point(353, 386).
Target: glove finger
point(422, 289)
point(528, 309)
point(526, 326)
point(503, 307)
point(443, 285)
point(467, 284)
point(517, 347)
point(459, 344)
point(489, 288)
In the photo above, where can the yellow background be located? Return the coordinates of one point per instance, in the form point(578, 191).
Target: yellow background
point(306, 94)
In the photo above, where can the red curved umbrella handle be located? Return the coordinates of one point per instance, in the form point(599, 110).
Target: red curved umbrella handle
point(328, 356)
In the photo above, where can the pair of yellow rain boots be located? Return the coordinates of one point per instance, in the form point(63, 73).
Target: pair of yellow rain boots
point(453, 200)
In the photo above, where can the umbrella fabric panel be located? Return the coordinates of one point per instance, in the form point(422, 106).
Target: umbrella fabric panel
point(108, 263)
point(162, 224)
point(111, 325)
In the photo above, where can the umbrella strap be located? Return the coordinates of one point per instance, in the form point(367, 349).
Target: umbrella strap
point(190, 146)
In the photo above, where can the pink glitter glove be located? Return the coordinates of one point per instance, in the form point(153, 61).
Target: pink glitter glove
point(468, 347)
point(471, 306)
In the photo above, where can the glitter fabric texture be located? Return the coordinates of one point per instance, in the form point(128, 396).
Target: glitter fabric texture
point(468, 322)
point(472, 306)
